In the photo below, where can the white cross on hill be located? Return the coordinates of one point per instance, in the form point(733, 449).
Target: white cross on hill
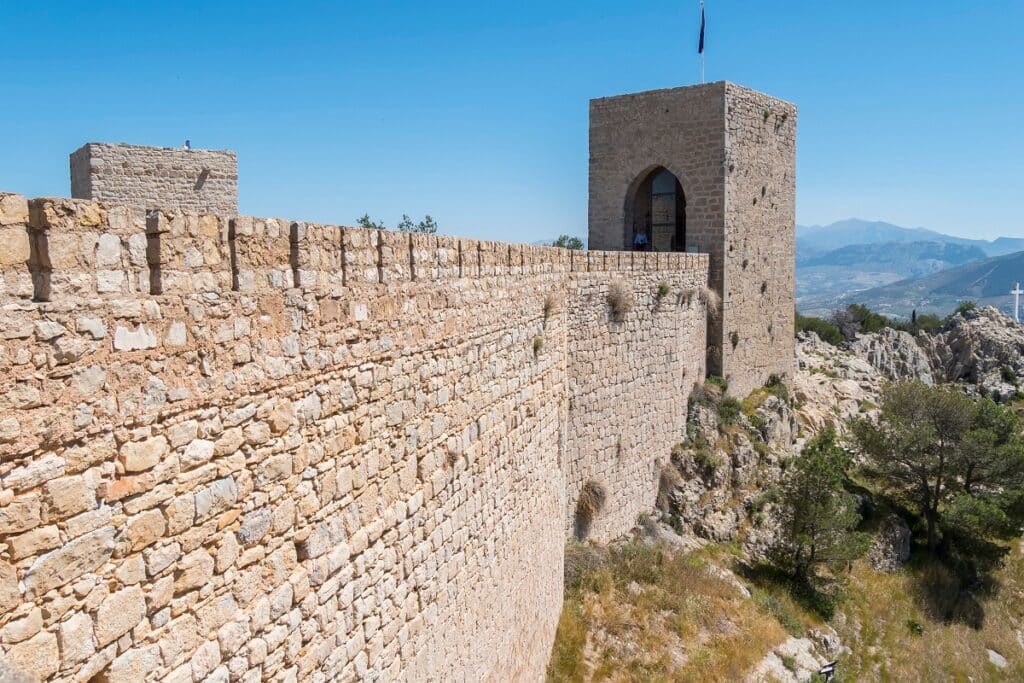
point(1016, 291)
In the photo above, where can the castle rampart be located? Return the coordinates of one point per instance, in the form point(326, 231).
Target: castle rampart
point(257, 449)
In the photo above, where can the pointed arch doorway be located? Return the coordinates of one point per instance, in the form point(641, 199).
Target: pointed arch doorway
point(655, 215)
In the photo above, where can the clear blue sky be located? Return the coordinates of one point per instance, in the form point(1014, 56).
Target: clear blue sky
point(910, 111)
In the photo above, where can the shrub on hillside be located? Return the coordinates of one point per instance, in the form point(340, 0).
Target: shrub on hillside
point(817, 515)
point(826, 330)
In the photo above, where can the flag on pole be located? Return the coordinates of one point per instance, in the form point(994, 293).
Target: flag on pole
point(700, 45)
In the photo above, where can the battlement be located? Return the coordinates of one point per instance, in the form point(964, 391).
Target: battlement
point(78, 248)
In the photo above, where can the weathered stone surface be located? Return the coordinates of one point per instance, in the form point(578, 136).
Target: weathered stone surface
point(119, 613)
point(255, 525)
point(76, 640)
point(138, 339)
point(137, 664)
point(216, 497)
point(895, 354)
point(67, 496)
point(83, 554)
point(39, 656)
point(10, 596)
point(142, 455)
point(194, 570)
point(981, 347)
point(20, 515)
point(891, 547)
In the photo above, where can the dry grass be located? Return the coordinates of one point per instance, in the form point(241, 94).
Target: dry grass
point(647, 613)
point(620, 299)
point(898, 633)
point(592, 498)
point(552, 302)
point(669, 479)
point(711, 300)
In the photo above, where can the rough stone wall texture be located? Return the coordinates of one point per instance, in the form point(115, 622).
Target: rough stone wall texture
point(759, 296)
point(251, 449)
point(629, 377)
point(197, 180)
point(718, 141)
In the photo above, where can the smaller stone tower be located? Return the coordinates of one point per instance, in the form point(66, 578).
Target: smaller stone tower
point(197, 180)
point(708, 168)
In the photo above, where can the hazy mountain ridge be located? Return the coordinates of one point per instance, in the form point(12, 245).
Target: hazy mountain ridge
point(822, 238)
point(889, 266)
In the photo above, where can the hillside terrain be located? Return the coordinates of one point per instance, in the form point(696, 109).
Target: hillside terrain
point(986, 281)
point(691, 594)
point(840, 263)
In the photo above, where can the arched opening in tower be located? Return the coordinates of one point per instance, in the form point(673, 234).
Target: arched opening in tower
point(655, 212)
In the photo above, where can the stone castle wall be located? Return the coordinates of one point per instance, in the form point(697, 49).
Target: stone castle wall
point(629, 378)
point(196, 180)
point(252, 449)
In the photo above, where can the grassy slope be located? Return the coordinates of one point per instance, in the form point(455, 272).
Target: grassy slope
point(681, 621)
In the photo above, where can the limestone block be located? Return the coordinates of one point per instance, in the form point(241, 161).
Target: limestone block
point(10, 596)
point(20, 515)
point(119, 613)
point(137, 664)
point(13, 209)
point(143, 455)
point(38, 656)
point(83, 554)
point(24, 628)
point(215, 498)
point(68, 496)
point(134, 340)
point(76, 639)
point(144, 529)
point(193, 571)
point(34, 542)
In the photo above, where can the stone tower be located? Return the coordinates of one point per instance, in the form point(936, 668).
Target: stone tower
point(201, 180)
point(707, 168)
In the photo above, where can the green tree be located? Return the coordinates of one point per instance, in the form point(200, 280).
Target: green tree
point(958, 460)
point(568, 242)
point(365, 221)
point(428, 225)
point(817, 515)
point(406, 224)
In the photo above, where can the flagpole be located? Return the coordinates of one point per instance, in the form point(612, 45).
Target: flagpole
point(702, 42)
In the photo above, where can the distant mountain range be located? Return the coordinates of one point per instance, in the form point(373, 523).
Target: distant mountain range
point(822, 238)
point(898, 269)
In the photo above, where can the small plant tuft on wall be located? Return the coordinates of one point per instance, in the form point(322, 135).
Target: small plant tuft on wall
point(538, 345)
point(620, 298)
point(663, 290)
point(592, 498)
point(734, 338)
point(550, 305)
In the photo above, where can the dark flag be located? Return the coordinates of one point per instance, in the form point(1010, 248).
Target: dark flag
point(700, 45)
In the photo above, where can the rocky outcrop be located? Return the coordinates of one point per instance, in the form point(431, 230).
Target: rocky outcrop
point(981, 347)
point(891, 547)
point(727, 462)
point(831, 385)
point(895, 354)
